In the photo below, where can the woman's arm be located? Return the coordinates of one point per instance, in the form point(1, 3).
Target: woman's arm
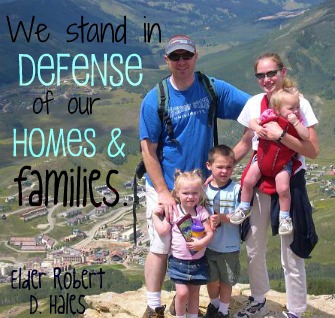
point(309, 148)
point(244, 145)
point(254, 124)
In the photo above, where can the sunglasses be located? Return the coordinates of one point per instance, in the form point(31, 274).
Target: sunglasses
point(176, 57)
point(269, 74)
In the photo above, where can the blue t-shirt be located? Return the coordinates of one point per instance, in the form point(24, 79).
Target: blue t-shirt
point(188, 111)
point(226, 238)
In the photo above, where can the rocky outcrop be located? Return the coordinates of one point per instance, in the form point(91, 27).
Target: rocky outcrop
point(133, 303)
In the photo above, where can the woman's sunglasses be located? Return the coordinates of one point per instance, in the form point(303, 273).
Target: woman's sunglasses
point(269, 74)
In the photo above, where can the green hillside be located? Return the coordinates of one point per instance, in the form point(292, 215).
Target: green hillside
point(229, 36)
point(307, 47)
point(221, 22)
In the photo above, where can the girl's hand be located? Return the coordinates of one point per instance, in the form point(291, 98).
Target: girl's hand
point(261, 132)
point(194, 245)
point(168, 203)
point(293, 119)
point(159, 210)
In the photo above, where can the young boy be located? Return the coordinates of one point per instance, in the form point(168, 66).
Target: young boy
point(223, 251)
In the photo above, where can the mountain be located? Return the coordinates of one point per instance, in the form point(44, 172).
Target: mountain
point(306, 44)
point(221, 22)
point(229, 38)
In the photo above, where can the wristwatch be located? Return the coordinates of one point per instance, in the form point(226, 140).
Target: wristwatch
point(281, 136)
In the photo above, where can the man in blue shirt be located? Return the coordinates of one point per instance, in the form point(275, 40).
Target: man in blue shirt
point(193, 137)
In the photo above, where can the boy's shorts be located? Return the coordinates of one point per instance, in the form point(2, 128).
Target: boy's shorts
point(223, 267)
point(158, 244)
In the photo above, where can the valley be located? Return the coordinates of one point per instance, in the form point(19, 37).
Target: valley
point(87, 121)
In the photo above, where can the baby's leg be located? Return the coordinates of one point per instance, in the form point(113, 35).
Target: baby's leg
point(249, 182)
point(283, 189)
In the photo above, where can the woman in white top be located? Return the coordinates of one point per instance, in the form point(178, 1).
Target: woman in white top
point(270, 73)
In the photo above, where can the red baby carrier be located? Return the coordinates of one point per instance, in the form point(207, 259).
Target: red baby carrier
point(273, 155)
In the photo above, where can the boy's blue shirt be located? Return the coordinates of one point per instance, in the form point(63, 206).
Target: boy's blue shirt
point(226, 238)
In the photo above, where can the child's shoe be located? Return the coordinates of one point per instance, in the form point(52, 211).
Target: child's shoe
point(239, 215)
point(285, 226)
point(157, 313)
point(219, 314)
point(211, 311)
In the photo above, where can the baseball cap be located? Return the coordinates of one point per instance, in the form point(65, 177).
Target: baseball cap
point(180, 42)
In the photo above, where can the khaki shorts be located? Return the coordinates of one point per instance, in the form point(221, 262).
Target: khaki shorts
point(158, 244)
point(223, 267)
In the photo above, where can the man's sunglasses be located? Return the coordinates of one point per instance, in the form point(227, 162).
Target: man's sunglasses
point(269, 74)
point(176, 57)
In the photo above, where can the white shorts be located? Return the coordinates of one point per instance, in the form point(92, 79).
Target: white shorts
point(158, 244)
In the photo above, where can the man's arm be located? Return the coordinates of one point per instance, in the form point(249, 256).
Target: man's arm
point(244, 145)
point(153, 167)
point(309, 148)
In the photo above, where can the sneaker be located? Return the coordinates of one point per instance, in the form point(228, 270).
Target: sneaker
point(211, 311)
point(239, 215)
point(219, 314)
point(172, 309)
point(289, 315)
point(285, 226)
point(253, 309)
point(157, 313)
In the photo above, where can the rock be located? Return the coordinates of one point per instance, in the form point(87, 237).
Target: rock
point(133, 303)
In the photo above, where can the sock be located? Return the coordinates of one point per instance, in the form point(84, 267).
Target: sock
point(244, 205)
point(259, 299)
point(154, 299)
point(224, 308)
point(284, 214)
point(192, 315)
point(215, 302)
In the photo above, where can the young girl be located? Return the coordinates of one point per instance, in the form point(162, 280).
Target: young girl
point(187, 265)
point(284, 103)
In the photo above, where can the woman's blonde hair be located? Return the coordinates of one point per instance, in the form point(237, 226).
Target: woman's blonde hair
point(194, 176)
point(273, 56)
point(289, 86)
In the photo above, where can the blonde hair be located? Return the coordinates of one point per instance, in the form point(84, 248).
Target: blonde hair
point(190, 177)
point(273, 56)
point(289, 87)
